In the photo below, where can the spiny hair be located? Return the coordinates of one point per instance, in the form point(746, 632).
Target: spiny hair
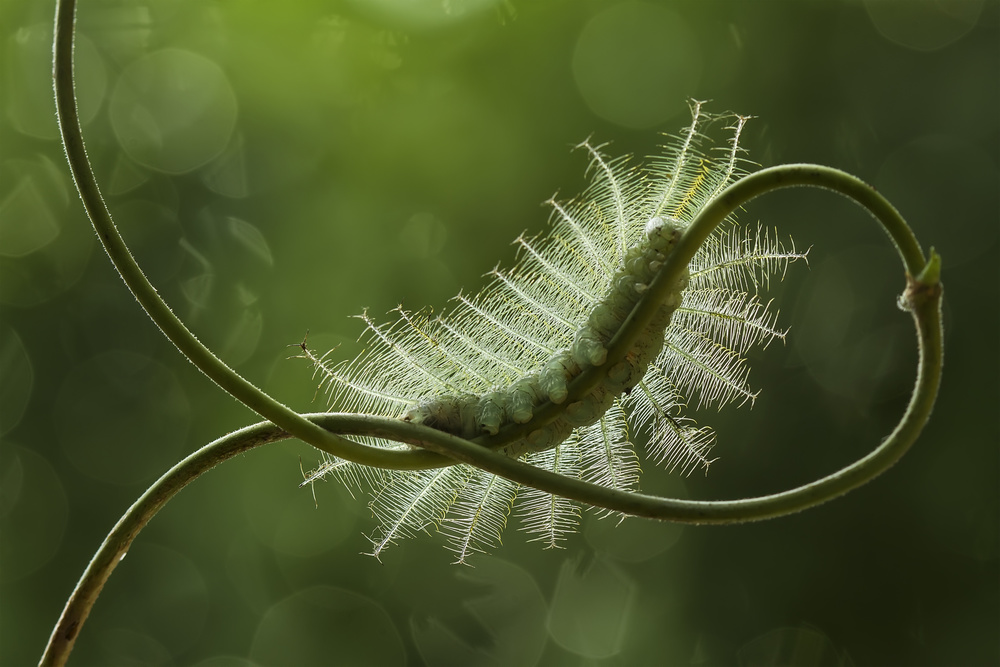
point(462, 370)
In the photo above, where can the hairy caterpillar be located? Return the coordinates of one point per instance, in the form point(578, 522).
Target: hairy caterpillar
point(470, 415)
point(497, 356)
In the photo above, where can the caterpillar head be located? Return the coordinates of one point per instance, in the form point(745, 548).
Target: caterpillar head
point(663, 232)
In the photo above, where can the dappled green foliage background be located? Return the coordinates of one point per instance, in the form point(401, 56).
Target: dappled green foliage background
point(278, 167)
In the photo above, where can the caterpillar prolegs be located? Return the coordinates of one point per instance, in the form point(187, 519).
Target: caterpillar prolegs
point(469, 415)
point(495, 357)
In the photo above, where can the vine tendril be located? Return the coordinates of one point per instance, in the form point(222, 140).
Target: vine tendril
point(921, 297)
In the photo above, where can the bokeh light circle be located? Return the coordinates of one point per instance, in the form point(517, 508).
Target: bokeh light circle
point(33, 507)
point(635, 64)
point(43, 251)
point(27, 91)
point(122, 417)
point(923, 25)
point(324, 625)
point(591, 608)
point(161, 596)
point(173, 111)
point(631, 541)
point(501, 598)
point(18, 378)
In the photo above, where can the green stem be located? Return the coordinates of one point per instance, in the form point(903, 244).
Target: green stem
point(324, 431)
point(143, 290)
point(118, 541)
point(269, 408)
point(922, 298)
point(710, 217)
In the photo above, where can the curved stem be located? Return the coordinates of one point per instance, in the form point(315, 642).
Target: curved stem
point(710, 217)
point(144, 292)
point(923, 298)
point(118, 541)
point(266, 406)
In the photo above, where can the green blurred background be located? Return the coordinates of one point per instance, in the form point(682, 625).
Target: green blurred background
point(278, 167)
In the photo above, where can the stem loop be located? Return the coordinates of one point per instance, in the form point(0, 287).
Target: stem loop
point(922, 298)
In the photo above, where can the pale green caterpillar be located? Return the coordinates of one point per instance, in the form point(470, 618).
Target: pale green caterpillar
point(469, 415)
point(495, 358)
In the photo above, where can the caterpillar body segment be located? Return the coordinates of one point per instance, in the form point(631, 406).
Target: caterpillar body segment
point(469, 415)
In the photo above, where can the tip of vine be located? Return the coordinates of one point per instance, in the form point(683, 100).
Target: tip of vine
point(931, 273)
point(925, 288)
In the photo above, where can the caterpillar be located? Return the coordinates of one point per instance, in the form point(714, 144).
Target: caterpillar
point(470, 415)
point(496, 357)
